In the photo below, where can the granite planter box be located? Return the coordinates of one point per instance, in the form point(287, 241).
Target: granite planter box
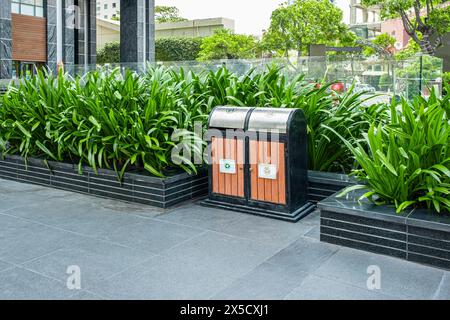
point(321, 185)
point(417, 235)
point(158, 192)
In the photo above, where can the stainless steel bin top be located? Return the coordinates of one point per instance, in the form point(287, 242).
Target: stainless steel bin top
point(229, 117)
point(270, 119)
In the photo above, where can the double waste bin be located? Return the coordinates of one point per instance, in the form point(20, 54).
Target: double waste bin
point(258, 161)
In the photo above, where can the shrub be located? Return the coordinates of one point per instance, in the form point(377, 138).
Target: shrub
point(408, 159)
point(177, 49)
point(110, 53)
point(167, 49)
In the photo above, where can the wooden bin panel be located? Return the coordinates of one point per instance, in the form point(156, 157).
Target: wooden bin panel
point(226, 183)
point(267, 190)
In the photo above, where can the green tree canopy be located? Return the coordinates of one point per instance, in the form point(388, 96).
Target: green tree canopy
point(305, 22)
point(167, 14)
point(424, 20)
point(224, 44)
point(382, 44)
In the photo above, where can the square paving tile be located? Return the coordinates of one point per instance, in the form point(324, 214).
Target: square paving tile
point(21, 284)
point(443, 293)
point(267, 281)
point(201, 217)
point(264, 230)
point(303, 255)
point(397, 277)
point(222, 254)
point(317, 288)
point(31, 240)
point(164, 278)
point(149, 235)
point(96, 259)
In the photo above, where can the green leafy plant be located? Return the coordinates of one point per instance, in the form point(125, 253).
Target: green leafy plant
point(105, 120)
point(125, 121)
point(407, 162)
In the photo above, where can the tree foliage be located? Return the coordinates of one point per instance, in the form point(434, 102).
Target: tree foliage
point(110, 53)
point(177, 49)
point(305, 22)
point(224, 44)
point(383, 43)
point(410, 50)
point(167, 14)
point(425, 21)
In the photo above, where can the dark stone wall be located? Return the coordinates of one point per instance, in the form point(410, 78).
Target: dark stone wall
point(137, 21)
point(74, 37)
point(5, 39)
point(51, 34)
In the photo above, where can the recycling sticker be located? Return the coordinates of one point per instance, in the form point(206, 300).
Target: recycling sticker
point(227, 166)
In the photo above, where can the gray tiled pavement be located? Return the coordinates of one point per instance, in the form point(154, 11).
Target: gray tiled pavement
point(129, 251)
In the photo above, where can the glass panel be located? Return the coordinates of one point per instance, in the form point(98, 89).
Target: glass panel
point(39, 3)
point(30, 2)
point(39, 11)
point(27, 10)
point(15, 8)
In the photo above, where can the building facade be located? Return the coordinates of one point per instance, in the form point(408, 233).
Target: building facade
point(365, 21)
point(48, 33)
point(37, 33)
point(108, 9)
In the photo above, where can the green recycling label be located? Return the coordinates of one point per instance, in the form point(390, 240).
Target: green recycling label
point(227, 166)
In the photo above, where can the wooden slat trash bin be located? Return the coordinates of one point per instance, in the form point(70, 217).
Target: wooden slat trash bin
point(258, 162)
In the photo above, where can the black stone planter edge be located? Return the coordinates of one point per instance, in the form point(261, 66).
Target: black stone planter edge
point(418, 235)
point(159, 192)
point(321, 185)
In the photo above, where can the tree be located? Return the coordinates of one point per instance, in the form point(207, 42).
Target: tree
point(224, 44)
point(305, 22)
point(167, 14)
point(383, 44)
point(410, 50)
point(425, 21)
point(110, 53)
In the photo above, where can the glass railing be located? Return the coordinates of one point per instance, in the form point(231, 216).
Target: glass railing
point(387, 76)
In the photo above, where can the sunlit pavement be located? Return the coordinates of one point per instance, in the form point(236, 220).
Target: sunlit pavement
point(61, 245)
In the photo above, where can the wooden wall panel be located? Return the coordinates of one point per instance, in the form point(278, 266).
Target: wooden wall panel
point(29, 38)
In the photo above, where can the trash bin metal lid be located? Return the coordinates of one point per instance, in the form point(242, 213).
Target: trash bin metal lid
point(270, 119)
point(229, 117)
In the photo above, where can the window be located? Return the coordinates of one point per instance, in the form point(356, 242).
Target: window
point(105, 16)
point(114, 5)
point(28, 7)
point(105, 6)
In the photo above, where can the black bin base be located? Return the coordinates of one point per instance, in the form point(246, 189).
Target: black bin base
point(295, 216)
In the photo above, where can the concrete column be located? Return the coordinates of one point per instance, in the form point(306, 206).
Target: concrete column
point(5, 40)
point(137, 31)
